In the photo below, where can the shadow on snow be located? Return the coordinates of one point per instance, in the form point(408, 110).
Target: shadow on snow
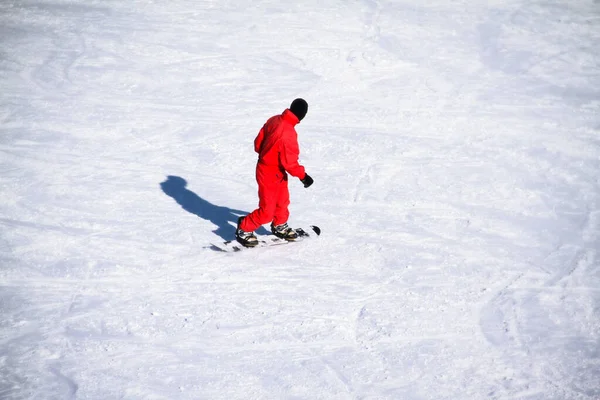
point(223, 217)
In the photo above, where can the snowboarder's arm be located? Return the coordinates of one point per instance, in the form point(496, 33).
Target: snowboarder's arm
point(289, 156)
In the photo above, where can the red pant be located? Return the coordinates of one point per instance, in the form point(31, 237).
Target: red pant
point(273, 199)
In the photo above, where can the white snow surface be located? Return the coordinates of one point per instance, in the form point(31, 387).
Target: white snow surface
point(455, 147)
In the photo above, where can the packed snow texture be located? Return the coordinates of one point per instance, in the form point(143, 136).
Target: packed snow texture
point(455, 147)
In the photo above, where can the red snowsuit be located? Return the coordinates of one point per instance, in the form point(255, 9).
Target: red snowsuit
point(278, 151)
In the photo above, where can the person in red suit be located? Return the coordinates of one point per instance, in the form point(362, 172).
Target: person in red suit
point(278, 152)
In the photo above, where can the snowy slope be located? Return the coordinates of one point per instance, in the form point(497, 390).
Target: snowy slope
point(456, 156)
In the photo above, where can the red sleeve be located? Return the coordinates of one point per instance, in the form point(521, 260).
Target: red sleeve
point(259, 139)
point(290, 152)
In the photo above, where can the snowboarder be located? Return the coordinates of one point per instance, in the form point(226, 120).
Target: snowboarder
point(278, 151)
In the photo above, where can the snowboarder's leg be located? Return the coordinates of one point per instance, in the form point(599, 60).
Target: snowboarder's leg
point(282, 212)
point(267, 202)
point(262, 215)
point(279, 227)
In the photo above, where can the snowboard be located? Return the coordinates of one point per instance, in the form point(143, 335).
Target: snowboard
point(268, 240)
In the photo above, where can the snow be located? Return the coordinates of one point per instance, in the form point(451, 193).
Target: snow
point(456, 156)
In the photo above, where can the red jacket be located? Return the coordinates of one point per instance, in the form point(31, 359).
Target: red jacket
point(277, 145)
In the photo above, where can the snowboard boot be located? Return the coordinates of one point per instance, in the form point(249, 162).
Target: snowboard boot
point(283, 231)
point(246, 239)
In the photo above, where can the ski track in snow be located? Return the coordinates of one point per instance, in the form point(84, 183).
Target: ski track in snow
point(455, 151)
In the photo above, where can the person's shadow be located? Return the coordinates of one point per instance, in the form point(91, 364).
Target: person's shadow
point(224, 218)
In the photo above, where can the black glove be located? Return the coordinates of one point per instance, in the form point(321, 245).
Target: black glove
point(307, 181)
